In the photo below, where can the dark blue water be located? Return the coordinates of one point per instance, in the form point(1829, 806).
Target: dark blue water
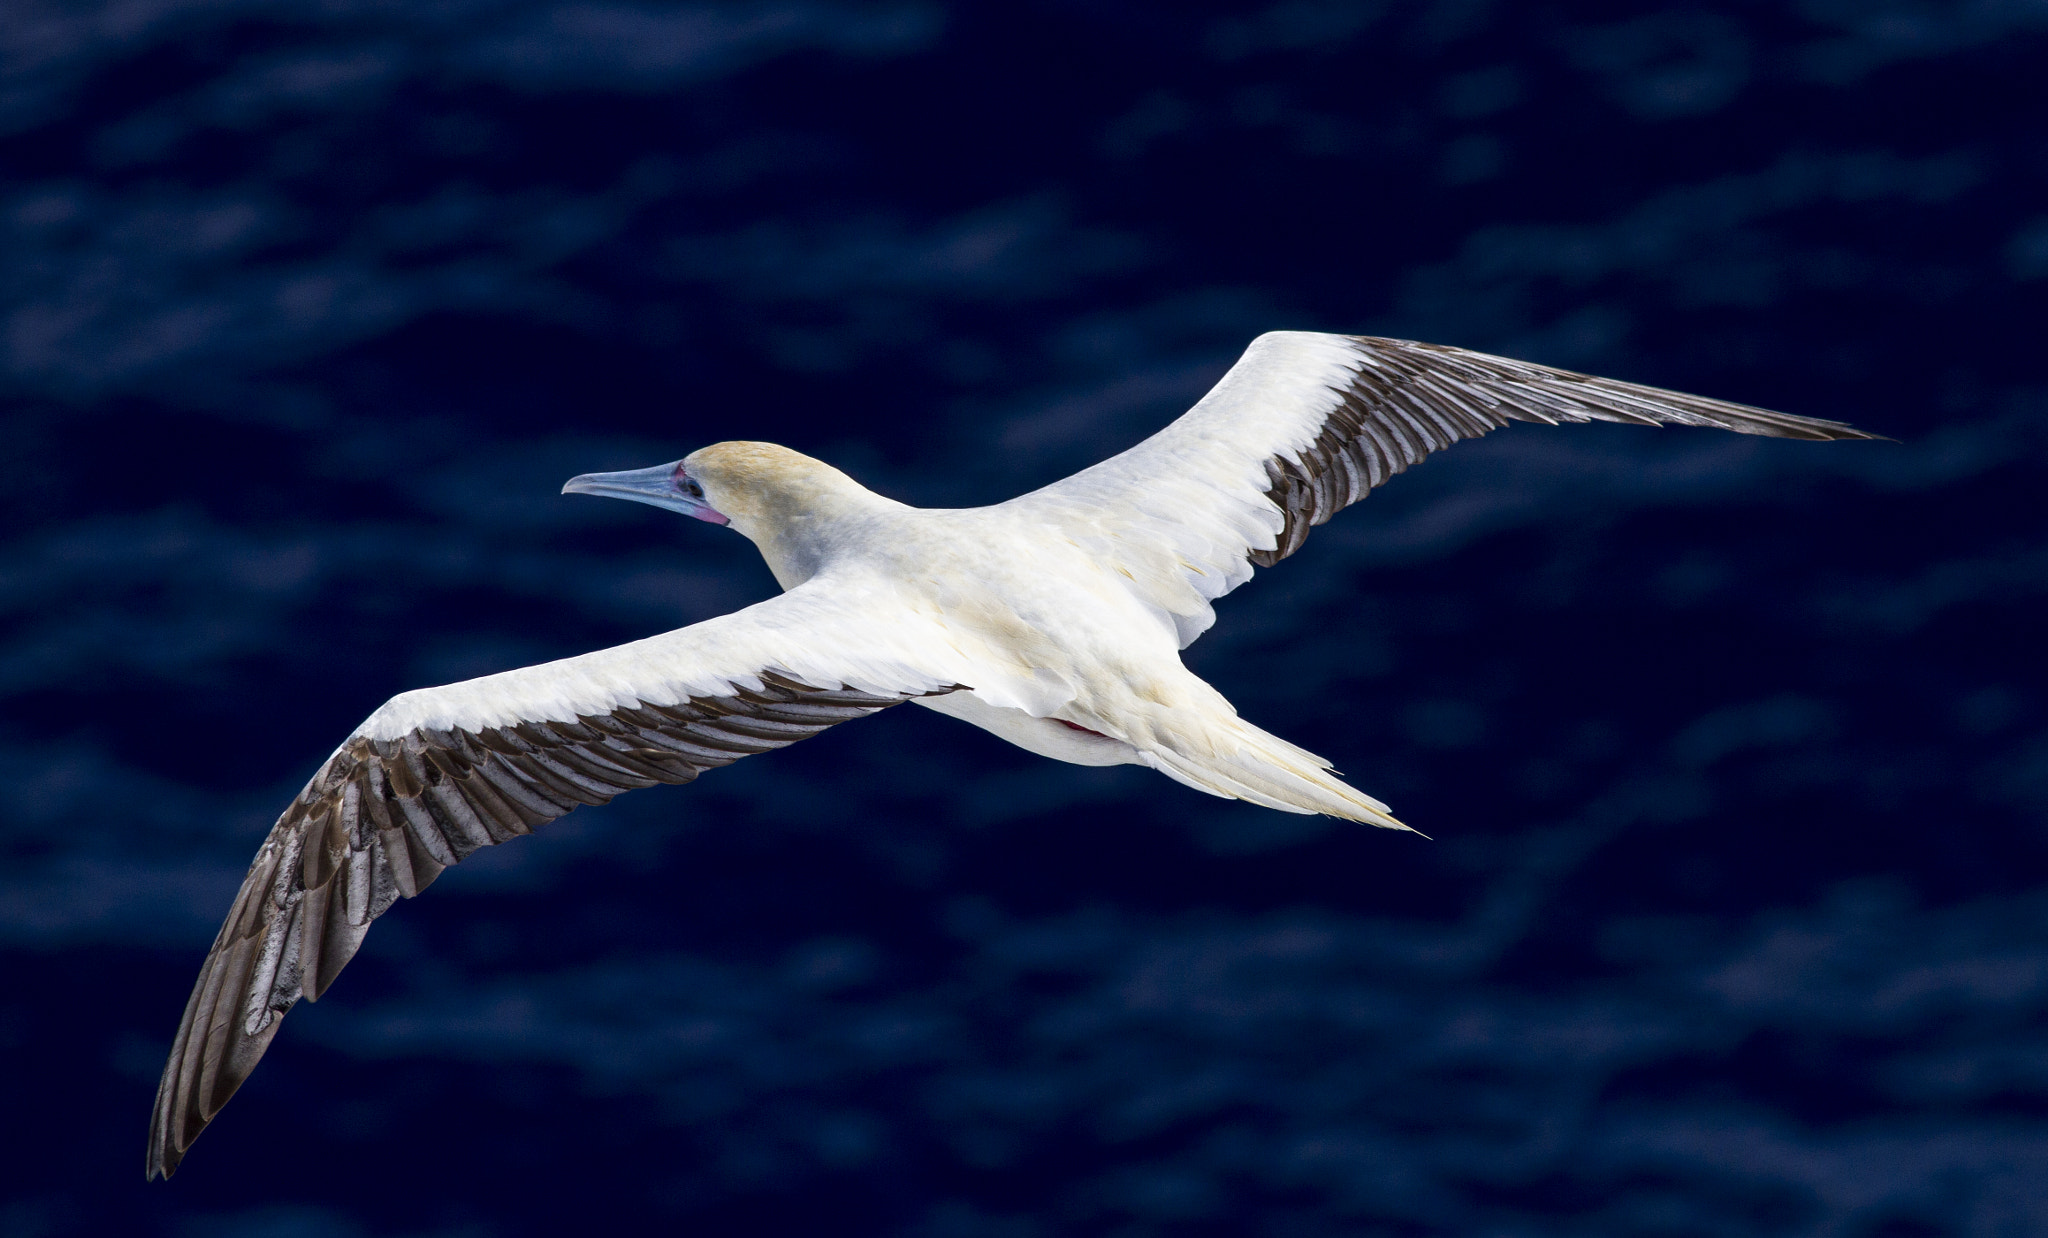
point(1735, 753)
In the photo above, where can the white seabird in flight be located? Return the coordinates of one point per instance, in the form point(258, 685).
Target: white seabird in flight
point(1054, 620)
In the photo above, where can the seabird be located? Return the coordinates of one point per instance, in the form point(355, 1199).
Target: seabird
point(1054, 620)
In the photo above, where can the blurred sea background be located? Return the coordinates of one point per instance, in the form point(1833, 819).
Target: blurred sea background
point(1734, 752)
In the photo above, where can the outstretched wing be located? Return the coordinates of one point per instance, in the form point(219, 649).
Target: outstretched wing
point(438, 773)
point(1302, 427)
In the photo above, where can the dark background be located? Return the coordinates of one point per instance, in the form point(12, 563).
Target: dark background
point(1735, 752)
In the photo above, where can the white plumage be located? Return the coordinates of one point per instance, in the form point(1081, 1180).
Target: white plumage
point(1054, 620)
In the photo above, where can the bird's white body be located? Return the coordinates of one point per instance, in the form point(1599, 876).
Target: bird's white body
point(1054, 620)
point(1061, 613)
point(1055, 648)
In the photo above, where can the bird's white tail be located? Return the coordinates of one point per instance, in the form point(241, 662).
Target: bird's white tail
point(1249, 764)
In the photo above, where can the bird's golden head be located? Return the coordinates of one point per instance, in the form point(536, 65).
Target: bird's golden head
point(763, 487)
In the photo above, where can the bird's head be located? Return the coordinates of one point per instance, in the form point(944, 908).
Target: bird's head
point(762, 490)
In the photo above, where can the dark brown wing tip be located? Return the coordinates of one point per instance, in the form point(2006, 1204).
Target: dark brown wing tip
point(1750, 419)
point(186, 1106)
point(161, 1162)
point(1770, 424)
point(1823, 432)
point(1842, 432)
point(163, 1156)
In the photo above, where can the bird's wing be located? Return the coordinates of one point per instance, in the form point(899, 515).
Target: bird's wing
point(435, 774)
point(1303, 426)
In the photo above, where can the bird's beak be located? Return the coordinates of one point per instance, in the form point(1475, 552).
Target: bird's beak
point(664, 485)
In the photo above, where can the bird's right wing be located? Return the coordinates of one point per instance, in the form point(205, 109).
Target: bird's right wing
point(435, 774)
point(1302, 427)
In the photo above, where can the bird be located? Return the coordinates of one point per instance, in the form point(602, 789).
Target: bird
point(1054, 620)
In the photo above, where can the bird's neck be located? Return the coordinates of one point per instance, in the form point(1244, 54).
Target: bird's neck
point(813, 525)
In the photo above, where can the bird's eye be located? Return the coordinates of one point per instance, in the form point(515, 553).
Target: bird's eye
point(688, 485)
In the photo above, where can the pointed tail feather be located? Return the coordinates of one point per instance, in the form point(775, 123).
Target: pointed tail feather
point(1268, 771)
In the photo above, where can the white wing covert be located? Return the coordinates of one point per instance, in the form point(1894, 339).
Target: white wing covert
point(435, 774)
point(1304, 425)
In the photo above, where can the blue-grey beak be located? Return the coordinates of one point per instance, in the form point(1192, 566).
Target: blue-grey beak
point(664, 485)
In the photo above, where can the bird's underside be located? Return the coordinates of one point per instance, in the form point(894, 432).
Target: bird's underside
point(1300, 428)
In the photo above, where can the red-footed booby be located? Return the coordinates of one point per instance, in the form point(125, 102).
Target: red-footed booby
point(1067, 643)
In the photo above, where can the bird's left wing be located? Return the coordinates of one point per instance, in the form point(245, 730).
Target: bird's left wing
point(1302, 427)
point(435, 774)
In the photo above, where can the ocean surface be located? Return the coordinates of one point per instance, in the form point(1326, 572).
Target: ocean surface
point(1734, 753)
